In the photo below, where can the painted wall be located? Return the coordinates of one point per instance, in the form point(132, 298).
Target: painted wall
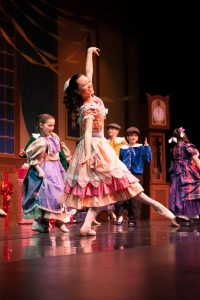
point(116, 70)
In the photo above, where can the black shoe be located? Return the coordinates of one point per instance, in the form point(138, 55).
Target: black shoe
point(131, 224)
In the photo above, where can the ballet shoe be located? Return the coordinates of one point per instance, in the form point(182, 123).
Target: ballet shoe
point(174, 223)
point(63, 228)
point(120, 220)
point(60, 225)
point(166, 213)
point(87, 232)
point(2, 213)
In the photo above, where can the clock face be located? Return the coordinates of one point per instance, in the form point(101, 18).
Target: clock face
point(158, 112)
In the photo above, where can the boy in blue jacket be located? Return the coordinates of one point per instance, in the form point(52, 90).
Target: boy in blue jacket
point(134, 156)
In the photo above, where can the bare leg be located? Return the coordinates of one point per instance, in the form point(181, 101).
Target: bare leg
point(90, 217)
point(112, 215)
point(159, 208)
point(61, 225)
point(98, 210)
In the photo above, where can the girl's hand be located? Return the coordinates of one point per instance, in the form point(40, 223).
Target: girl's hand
point(22, 153)
point(86, 160)
point(145, 142)
point(41, 173)
point(94, 50)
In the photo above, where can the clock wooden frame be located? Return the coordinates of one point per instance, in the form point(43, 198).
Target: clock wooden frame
point(158, 163)
point(164, 105)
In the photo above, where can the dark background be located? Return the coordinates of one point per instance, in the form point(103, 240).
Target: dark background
point(168, 36)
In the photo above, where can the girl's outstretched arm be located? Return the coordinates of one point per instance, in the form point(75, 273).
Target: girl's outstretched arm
point(89, 61)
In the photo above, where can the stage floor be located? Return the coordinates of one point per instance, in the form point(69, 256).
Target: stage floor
point(151, 261)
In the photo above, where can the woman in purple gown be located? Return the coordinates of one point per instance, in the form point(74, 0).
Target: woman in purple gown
point(184, 199)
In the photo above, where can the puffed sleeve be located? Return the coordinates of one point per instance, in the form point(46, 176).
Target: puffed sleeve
point(89, 112)
point(36, 151)
point(191, 149)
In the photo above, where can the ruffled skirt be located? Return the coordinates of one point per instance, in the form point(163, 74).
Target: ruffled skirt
point(42, 197)
point(102, 181)
point(184, 197)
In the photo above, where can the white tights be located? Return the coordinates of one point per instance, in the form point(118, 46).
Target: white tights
point(91, 215)
point(142, 197)
point(159, 208)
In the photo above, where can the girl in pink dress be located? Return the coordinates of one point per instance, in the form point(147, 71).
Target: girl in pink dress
point(96, 177)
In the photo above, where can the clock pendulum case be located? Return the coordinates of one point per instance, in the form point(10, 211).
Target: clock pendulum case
point(155, 129)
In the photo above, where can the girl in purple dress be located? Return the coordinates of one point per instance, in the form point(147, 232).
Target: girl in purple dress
point(96, 177)
point(184, 198)
point(43, 185)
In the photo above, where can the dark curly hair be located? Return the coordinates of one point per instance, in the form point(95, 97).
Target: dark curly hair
point(72, 100)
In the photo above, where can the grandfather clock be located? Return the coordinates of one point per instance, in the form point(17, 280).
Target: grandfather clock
point(157, 124)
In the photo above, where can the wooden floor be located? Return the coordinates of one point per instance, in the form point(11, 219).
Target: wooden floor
point(151, 261)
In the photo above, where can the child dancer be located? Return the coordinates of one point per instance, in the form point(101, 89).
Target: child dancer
point(64, 153)
point(114, 140)
point(44, 182)
point(133, 155)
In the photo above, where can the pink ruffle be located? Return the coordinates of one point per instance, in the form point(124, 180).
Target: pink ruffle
point(89, 190)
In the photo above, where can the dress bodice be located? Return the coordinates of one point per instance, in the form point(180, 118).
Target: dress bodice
point(42, 148)
point(93, 110)
point(183, 152)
